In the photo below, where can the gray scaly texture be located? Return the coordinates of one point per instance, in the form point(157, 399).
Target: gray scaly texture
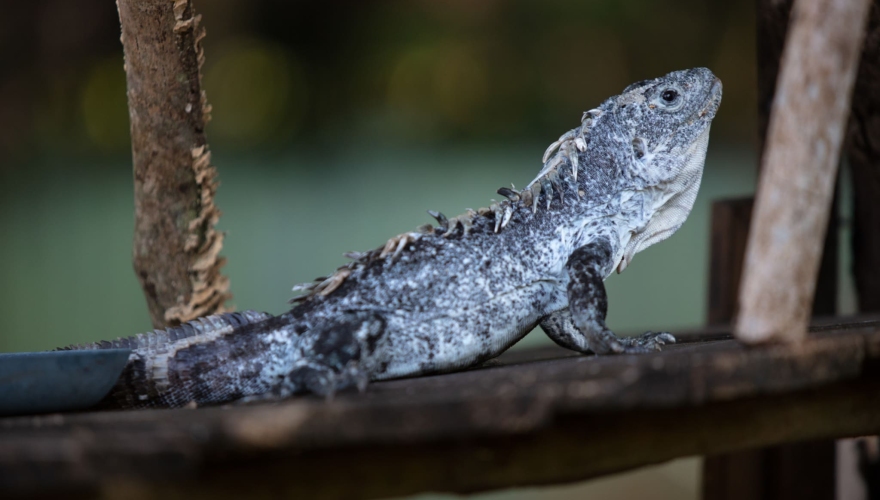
point(451, 296)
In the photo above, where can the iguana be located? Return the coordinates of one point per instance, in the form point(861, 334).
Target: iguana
point(451, 296)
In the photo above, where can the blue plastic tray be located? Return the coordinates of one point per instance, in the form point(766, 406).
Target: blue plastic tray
point(40, 382)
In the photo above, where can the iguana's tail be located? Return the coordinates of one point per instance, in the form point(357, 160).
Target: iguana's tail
point(151, 379)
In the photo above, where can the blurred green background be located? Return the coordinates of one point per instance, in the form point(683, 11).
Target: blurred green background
point(336, 125)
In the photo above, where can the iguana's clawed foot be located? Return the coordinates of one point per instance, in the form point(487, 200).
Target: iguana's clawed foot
point(333, 356)
point(647, 342)
point(608, 343)
point(325, 381)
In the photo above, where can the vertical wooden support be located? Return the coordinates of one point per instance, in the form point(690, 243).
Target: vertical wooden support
point(729, 233)
point(863, 151)
point(771, 27)
point(798, 471)
point(801, 471)
point(176, 249)
point(817, 74)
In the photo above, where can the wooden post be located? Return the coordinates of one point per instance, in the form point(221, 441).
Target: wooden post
point(771, 27)
point(775, 472)
point(863, 151)
point(175, 245)
point(799, 166)
point(729, 232)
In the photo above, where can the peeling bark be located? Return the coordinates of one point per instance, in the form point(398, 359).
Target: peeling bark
point(176, 248)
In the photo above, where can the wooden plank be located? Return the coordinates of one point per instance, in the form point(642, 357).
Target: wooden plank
point(538, 422)
point(817, 73)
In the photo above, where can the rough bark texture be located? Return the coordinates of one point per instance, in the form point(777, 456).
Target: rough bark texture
point(792, 208)
point(863, 151)
point(175, 245)
point(543, 417)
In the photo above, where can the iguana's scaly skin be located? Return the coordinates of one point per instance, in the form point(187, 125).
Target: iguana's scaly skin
point(449, 297)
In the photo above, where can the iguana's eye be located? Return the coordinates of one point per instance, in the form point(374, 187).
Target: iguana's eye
point(668, 99)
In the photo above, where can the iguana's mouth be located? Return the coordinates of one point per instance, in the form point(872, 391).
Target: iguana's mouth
point(714, 98)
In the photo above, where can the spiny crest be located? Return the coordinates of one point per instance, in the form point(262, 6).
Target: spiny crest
point(548, 183)
point(324, 285)
point(455, 227)
point(567, 147)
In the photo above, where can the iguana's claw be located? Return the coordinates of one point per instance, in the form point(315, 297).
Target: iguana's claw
point(325, 381)
point(647, 342)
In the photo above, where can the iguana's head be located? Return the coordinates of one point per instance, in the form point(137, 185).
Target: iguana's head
point(667, 119)
point(662, 126)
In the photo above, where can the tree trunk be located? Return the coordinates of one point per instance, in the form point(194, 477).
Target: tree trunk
point(176, 248)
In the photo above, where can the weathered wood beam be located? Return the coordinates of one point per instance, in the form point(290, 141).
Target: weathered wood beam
point(806, 129)
point(526, 423)
point(176, 249)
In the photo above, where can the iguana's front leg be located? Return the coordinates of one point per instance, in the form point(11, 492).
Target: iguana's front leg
point(582, 327)
point(332, 356)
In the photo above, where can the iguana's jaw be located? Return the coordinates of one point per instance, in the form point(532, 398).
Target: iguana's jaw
point(672, 204)
point(713, 102)
point(675, 198)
